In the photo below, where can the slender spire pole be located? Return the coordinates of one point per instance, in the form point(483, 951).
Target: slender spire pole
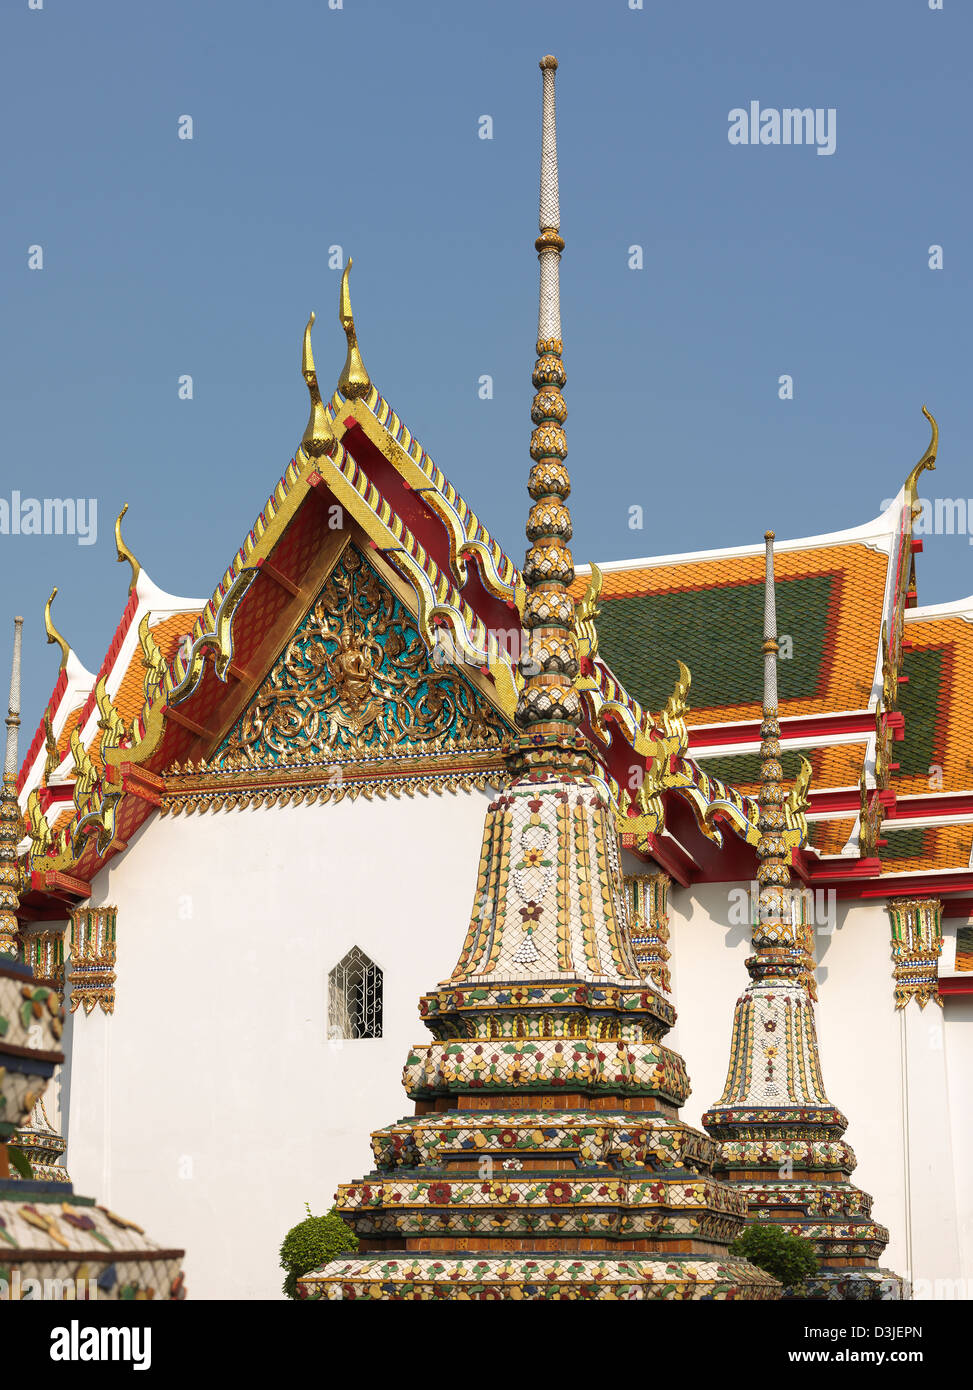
point(774, 936)
point(549, 707)
point(10, 819)
point(770, 647)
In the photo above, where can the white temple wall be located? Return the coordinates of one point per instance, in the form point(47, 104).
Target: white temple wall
point(708, 976)
point(958, 1036)
point(859, 1031)
point(211, 1105)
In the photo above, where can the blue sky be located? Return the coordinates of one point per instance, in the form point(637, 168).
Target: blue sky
point(358, 127)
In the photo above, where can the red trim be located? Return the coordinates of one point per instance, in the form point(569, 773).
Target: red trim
point(826, 873)
point(671, 857)
point(50, 796)
point(956, 984)
point(921, 885)
point(958, 907)
point(835, 803)
point(805, 726)
point(54, 881)
point(803, 863)
point(143, 783)
point(734, 862)
point(60, 685)
point(427, 528)
point(933, 804)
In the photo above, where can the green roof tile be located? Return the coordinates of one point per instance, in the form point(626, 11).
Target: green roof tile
point(902, 844)
point(920, 702)
point(741, 769)
point(717, 633)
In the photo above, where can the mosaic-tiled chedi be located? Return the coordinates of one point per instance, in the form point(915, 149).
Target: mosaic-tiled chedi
point(53, 1243)
point(545, 1159)
point(781, 1138)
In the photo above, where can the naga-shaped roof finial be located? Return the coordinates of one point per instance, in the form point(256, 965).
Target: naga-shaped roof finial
point(124, 554)
point(354, 380)
point(928, 460)
point(318, 437)
point(53, 636)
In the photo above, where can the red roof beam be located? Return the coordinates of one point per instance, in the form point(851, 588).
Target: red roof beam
point(810, 727)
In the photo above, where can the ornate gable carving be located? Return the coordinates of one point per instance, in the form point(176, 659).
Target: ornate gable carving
point(355, 702)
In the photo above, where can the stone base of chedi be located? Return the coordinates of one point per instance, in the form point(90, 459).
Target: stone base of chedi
point(53, 1243)
point(546, 1159)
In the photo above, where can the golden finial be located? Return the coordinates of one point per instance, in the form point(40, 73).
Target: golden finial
point(318, 438)
point(40, 832)
point(354, 380)
point(928, 460)
point(797, 797)
point(53, 758)
point(52, 633)
point(123, 551)
point(585, 614)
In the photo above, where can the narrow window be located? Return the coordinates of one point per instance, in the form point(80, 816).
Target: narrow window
point(355, 997)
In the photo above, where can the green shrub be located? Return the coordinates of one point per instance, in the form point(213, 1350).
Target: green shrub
point(791, 1259)
point(313, 1242)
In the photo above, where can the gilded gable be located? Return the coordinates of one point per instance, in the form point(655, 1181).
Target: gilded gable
point(355, 702)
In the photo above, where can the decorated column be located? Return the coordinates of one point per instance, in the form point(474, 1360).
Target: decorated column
point(917, 944)
point(648, 906)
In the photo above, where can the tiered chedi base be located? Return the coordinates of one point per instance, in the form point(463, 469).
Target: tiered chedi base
point(54, 1244)
point(546, 1159)
point(789, 1159)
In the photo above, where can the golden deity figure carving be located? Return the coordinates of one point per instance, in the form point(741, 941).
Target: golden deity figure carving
point(354, 674)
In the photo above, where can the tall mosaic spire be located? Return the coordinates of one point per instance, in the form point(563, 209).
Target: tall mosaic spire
point(545, 1158)
point(549, 706)
point(10, 818)
point(780, 1136)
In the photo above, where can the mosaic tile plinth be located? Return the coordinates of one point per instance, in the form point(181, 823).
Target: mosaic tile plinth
point(546, 1158)
point(75, 1249)
point(855, 1286)
point(537, 1278)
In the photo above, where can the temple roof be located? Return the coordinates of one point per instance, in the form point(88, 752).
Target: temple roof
point(832, 600)
point(179, 672)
